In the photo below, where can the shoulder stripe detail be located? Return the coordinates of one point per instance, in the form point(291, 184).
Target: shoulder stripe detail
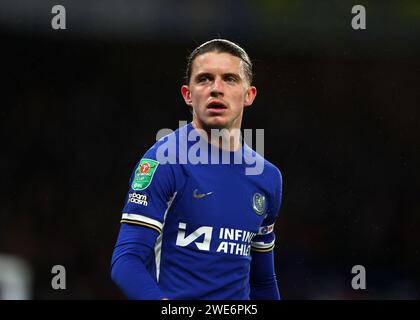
point(143, 219)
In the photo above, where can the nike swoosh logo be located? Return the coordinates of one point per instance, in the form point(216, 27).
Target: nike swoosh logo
point(200, 195)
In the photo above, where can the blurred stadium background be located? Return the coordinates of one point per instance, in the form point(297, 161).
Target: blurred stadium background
point(339, 108)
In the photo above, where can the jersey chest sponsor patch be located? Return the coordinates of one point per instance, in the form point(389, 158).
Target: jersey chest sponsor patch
point(228, 240)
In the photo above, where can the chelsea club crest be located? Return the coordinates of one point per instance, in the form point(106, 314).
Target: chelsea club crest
point(258, 203)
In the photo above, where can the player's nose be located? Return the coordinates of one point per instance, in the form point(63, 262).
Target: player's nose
point(217, 87)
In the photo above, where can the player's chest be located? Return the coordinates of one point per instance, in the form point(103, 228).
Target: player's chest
point(226, 200)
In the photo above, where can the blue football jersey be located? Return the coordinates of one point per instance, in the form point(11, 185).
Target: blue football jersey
point(207, 216)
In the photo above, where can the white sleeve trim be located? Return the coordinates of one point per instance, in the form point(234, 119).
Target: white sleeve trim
point(262, 245)
point(140, 218)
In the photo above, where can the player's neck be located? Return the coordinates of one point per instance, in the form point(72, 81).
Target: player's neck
point(228, 139)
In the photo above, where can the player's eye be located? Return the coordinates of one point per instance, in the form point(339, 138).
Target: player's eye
point(203, 78)
point(230, 78)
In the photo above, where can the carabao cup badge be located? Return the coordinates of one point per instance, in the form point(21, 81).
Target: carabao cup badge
point(144, 174)
point(258, 203)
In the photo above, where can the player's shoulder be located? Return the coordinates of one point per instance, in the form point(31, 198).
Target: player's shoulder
point(271, 171)
point(273, 174)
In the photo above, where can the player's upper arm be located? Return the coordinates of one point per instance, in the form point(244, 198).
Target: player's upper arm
point(151, 191)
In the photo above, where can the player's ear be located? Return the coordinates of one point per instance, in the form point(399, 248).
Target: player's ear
point(250, 95)
point(186, 94)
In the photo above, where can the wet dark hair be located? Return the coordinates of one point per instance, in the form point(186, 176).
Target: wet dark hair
point(221, 46)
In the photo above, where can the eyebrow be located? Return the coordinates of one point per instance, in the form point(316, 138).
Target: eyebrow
point(198, 75)
point(231, 74)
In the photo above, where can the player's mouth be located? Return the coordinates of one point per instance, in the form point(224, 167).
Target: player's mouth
point(216, 106)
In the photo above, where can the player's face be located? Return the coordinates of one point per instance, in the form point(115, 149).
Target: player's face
point(218, 91)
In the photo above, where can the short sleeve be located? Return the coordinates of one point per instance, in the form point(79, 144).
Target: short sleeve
point(151, 191)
